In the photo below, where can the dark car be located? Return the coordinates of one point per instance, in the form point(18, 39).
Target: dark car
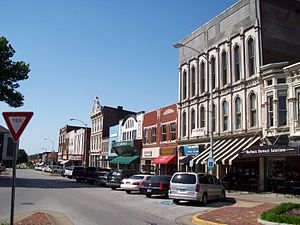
point(102, 178)
point(156, 185)
point(78, 173)
point(115, 177)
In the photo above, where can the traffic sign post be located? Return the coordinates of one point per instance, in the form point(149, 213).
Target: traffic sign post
point(16, 123)
point(210, 163)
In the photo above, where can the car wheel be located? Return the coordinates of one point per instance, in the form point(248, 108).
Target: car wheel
point(113, 188)
point(148, 195)
point(204, 199)
point(223, 195)
point(176, 201)
point(128, 192)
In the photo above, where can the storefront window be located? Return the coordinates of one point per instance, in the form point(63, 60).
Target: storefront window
point(283, 168)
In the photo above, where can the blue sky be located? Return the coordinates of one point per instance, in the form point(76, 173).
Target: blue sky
point(118, 50)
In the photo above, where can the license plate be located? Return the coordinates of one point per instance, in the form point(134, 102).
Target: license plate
point(149, 190)
point(127, 182)
point(181, 190)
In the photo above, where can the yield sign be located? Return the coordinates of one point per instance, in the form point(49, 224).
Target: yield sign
point(16, 122)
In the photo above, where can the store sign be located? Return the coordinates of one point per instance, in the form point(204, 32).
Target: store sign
point(191, 149)
point(198, 132)
point(168, 151)
point(147, 153)
point(122, 143)
point(269, 150)
point(75, 157)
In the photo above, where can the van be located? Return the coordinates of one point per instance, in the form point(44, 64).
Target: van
point(199, 187)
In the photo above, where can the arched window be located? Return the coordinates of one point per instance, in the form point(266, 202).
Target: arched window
point(202, 117)
point(252, 110)
point(237, 63)
point(251, 57)
point(238, 113)
point(193, 120)
point(213, 72)
point(202, 77)
point(225, 116)
point(213, 117)
point(184, 124)
point(184, 85)
point(224, 68)
point(193, 81)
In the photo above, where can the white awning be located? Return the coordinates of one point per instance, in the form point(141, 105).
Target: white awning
point(64, 161)
point(205, 153)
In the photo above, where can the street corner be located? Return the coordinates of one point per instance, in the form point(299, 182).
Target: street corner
point(57, 218)
point(196, 219)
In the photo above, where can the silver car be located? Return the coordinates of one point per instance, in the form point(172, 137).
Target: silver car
point(195, 187)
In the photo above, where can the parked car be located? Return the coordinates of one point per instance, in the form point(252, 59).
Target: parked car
point(2, 167)
point(78, 173)
point(114, 178)
point(46, 168)
point(93, 174)
point(156, 185)
point(55, 169)
point(102, 178)
point(134, 182)
point(195, 187)
point(68, 172)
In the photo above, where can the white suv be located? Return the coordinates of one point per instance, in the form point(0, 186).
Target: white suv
point(195, 187)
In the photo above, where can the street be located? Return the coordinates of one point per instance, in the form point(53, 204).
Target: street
point(85, 204)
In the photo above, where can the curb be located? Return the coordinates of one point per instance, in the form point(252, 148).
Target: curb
point(270, 223)
point(197, 220)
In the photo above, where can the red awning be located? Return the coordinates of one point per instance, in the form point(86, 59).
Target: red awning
point(165, 159)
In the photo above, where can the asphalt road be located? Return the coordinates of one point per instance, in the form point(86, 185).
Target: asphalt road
point(85, 204)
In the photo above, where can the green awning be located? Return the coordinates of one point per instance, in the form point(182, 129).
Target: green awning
point(125, 160)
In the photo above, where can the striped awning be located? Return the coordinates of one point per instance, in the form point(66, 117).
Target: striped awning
point(225, 151)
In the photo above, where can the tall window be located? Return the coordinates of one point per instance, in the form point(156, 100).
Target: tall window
point(184, 86)
point(184, 124)
point(238, 113)
point(173, 131)
point(193, 81)
point(224, 68)
point(153, 131)
point(225, 116)
point(282, 110)
point(298, 105)
point(213, 117)
point(251, 57)
point(202, 77)
point(193, 120)
point(252, 110)
point(163, 133)
point(202, 117)
point(146, 136)
point(213, 72)
point(237, 63)
point(270, 110)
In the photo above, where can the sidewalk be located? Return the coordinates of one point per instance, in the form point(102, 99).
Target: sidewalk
point(247, 209)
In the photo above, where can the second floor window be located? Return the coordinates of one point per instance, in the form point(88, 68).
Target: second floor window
point(251, 57)
point(184, 124)
point(252, 110)
point(146, 136)
point(270, 120)
point(213, 72)
point(193, 120)
point(225, 116)
point(173, 131)
point(163, 133)
point(153, 131)
point(282, 110)
point(202, 117)
point(238, 113)
point(202, 77)
point(213, 117)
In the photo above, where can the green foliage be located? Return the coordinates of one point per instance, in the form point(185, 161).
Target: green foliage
point(279, 214)
point(22, 156)
point(10, 73)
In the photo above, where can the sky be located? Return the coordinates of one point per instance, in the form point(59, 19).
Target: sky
point(118, 50)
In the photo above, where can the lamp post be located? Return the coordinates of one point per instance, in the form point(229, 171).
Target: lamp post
point(211, 133)
point(47, 139)
point(85, 140)
point(45, 151)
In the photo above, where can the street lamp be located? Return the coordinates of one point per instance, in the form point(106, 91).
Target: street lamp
point(211, 133)
point(48, 139)
point(85, 140)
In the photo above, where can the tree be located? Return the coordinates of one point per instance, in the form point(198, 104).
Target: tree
point(22, 156)
point(10, 73)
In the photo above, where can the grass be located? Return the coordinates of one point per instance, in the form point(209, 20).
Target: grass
point(280, 214)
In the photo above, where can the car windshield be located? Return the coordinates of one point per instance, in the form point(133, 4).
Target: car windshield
point(160, 178)
point(184, 179)
point(136, 177)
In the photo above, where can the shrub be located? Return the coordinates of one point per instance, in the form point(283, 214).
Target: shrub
point(279, 214)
